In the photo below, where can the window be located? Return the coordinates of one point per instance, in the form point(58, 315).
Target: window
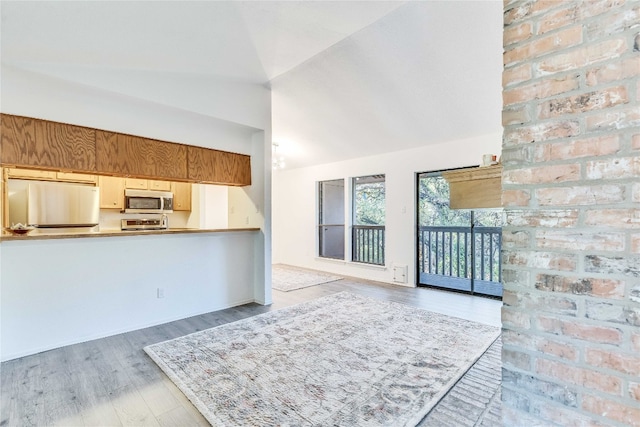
point(331, 219)
point(367, 243)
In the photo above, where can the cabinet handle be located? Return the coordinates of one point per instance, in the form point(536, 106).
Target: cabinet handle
point(115, 203)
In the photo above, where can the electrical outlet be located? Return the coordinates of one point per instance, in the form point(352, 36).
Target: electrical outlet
point(246, 220)
point(160, 293)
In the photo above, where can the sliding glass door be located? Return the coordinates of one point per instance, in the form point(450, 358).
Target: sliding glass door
point(457, 249)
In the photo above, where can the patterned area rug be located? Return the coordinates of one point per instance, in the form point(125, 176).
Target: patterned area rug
point(343, 360)
point(286, 278)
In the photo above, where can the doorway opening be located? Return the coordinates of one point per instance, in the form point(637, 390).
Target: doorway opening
point(458, 249)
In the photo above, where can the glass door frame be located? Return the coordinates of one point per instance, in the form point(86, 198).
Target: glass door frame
point(452, 283)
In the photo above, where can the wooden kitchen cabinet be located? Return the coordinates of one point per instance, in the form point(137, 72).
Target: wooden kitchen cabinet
point(18, 133)
point(136, 184)
point(170, 159)
point(111, 192)
point(76, 177)
point(41, 175)
point(159, 185)
point(53, 146)
point(138, 156)
point(59, 145)
point(123, 154)
point(41, 143)
point(111, 157)
point(218, 167)
point(31, 174)
point(181, 196)
point(147, 184)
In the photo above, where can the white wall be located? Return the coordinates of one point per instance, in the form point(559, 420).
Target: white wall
point(209, 204)
point(41, 96)
point(243, 211)
point(256, 200)
point(59, 292)
point(295, 239)
point(246, 207)
point(210, 95)
point(214, 203)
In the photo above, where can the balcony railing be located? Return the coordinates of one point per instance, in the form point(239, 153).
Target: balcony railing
point(368, 244)
point(461, 258)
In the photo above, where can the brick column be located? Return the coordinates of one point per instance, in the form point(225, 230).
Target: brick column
point(571, 244)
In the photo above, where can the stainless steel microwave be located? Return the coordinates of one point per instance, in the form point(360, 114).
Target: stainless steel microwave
point(147, 201)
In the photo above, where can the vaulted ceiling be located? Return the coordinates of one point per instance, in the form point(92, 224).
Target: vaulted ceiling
point(348, 78)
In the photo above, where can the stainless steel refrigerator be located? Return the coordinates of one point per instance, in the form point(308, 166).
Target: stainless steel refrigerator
point(53, 204)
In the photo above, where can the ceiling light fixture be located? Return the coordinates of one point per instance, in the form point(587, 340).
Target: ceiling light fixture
point(278, 161)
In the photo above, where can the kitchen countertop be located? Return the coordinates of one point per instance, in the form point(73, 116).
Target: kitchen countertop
point(7, 236)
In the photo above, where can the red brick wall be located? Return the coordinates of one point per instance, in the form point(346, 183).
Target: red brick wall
point(571, 180)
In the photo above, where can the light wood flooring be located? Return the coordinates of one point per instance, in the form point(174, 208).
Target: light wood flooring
point(112, 382)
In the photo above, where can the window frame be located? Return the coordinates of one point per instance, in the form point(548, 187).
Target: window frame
point(374, 235)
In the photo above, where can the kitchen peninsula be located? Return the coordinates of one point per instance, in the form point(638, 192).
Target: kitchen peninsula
point(66, 286)
point(57, 292)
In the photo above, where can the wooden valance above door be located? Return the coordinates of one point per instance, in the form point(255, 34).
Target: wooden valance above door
point(475, 188)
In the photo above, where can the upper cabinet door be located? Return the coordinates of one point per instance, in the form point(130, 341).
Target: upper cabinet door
point(137, 156)
point(111, 192)
point(219, 167)
point(58, 145)
point(242, 170)
point(18, 133)
point(159, 185)
point(181, 196)
point(108, 153)
point(170, 159)
point(124, 154)
point(31, 174)
point(136, 183)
